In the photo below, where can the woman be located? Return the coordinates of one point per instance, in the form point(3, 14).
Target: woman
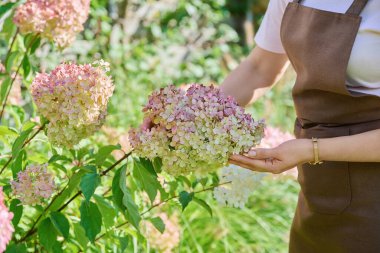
point(334, 47)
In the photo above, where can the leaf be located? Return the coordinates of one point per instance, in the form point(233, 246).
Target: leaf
point(56, 158)
point(185, 198)
point(47, 234)
point(4, 88)
point(35, 45)
point(80, 235)
point(5, 8)
point(124, 241)
point(26, 65)
point(91, 219)
point(16, 248)
point(19, 142)
point(158, 223)
point(17, 210)
point(117, 193)
point(104, 152)
point(123, 198)
point(157, 164)
point(88, 184)
point(133, 214)
point(147, 177)
point(203, 204)
point(7, 131)
point(17, 163)
point(10, 60)
point(61, 223)
point(107, 210)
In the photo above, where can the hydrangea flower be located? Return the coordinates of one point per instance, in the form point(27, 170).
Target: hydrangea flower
point(169, 239)
point(196, 130)
point(243, 183)
point(273, 137)
point(59, 20)
point(33, 185)
point(6, 229)
point(74, 99)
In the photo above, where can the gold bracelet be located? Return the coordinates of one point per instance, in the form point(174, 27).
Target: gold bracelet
point(316, 152)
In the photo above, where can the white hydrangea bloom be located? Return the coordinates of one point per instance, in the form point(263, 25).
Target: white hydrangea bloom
point(243, 183)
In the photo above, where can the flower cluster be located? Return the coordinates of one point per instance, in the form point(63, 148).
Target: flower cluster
point(169, 239)
point(194, 130)
point(59, 20)
point(33, 184)
point(74, 99)
point(6, 228)
point(239, 185)
point(273, 137)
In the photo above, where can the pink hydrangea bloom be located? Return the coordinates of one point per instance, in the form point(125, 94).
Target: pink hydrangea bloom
point(194, 130)
point(33, 185)
point(58, 20)
point(74, 99)
point(167, 241)
point(273, 137)
point(6, 228)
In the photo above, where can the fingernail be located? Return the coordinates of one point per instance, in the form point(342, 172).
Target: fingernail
point(252, 153)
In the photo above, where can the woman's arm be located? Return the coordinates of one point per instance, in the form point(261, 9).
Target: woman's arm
point(256, 74)
point(364, 147)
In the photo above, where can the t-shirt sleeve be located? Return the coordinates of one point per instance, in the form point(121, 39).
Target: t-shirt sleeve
point(268, 35)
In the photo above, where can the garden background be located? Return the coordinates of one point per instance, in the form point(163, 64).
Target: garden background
point(151, 44)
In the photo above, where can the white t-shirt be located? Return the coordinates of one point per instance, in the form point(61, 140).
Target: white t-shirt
point(363, 71)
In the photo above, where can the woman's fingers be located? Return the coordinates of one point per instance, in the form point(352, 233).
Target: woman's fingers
point(267, 165)
point(261, 153)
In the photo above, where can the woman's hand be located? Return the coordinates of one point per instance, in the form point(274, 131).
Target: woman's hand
point(276, 160)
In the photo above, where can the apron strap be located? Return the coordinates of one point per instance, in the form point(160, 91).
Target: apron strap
point(356, 7)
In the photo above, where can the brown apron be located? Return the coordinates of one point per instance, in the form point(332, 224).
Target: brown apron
point(338, 208)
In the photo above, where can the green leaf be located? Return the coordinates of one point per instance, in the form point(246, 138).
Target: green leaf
point(19, 142)
point(5, 8)
point(17, 210)
point(91, 219)
point(16, 248)
point(61, 223)
point(6, 131)
point(107, 210)
point(88, 184)
point(56, 158)
point(158, 224)
point(4, 88)
point(17, 163)
point(124, 241)
point(185, 198)
point(203, 204)
point(104, 152)
point(47, 234)
point(123, 198)
point(146, 176)
point(157, 164)
point(35, 45)
point(26, 65)
point(80, 235)
point(133, 214)
point(10, 60)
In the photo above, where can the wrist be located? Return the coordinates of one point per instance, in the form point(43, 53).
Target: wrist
point(307, 153)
